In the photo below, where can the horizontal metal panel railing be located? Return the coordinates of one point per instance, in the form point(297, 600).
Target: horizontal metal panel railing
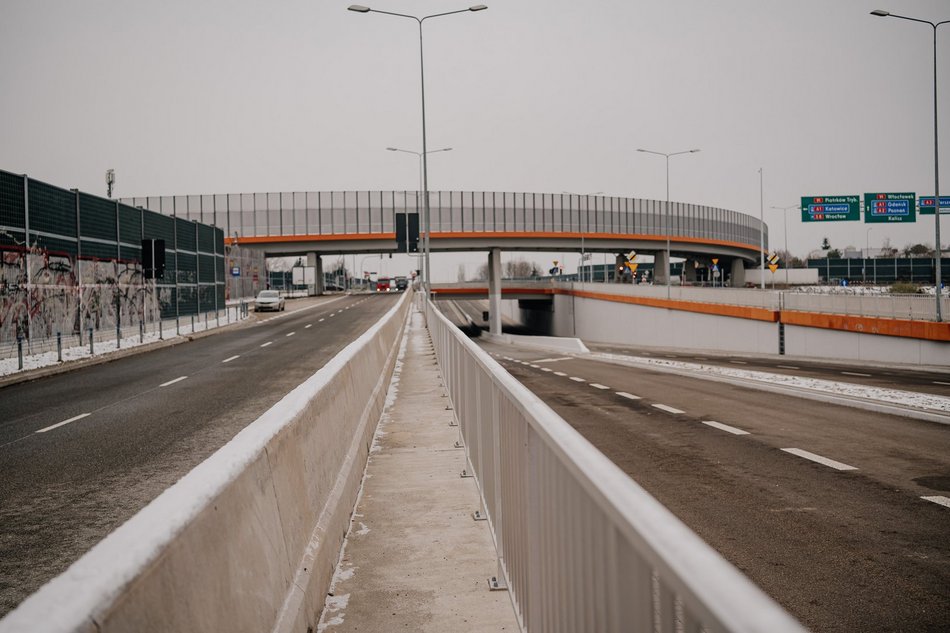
point(368, 212)
point(917, 307)
point(581, 546)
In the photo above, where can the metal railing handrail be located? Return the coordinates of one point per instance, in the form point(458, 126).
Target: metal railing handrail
point(580, 544)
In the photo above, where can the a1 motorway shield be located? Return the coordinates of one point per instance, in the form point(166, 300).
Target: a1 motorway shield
point(890, 207)
point(831, 208)
point(929, 203)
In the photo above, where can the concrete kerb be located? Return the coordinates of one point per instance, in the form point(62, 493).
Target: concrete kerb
point(248, 538)
point(560, 343)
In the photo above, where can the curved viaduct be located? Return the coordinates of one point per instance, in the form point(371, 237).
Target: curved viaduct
point(337, 222)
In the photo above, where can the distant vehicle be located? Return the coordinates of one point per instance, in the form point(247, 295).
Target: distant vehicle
point(269, 300)
point(382, 284)
point(401, 283)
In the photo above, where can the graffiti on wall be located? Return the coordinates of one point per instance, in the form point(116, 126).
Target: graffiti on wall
point(42, 294)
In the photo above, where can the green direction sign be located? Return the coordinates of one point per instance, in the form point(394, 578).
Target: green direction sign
point(890, 207)
point(928, 205)
point(831, 208)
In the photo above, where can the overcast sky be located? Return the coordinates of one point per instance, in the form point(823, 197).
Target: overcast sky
point(190, 97)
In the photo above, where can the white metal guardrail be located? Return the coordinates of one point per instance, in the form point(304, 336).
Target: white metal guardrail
point(580, 545)
point(892, 306)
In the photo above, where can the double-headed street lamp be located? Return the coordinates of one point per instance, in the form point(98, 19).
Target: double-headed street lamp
point(785, 211)
point(422, 82)
point(667, 215)
point(886, 14)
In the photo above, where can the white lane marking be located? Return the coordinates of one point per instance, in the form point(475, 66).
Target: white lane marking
point(699, 358)
point(596, 385)
point(172, 382)
point(321, 320)
point(738, 362)
point(628, 396)
point(59, 424)
point(333, 314)
point(937, 382)
point(559, 373)
point(725, 427)
point(553, 360)
point(787, 367)
point(944, 501)
point(576, 379)
point(819, 459)
point(267, 343)
point(308, 326)
point(535, 366)
point(228, 360)
point(291, 334)
point(855, 373)
point(668, 409)
point(546, 369)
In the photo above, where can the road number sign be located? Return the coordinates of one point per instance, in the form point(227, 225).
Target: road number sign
point(928, 205)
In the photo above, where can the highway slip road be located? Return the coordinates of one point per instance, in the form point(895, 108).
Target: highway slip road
point(841, 514)
point(83, 451)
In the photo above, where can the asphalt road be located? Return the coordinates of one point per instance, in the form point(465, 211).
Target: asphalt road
point(83, 451)
point(845, 543)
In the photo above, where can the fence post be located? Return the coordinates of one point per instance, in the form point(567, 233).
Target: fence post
point(192, 324)
point(141, 332)
point(92, 349)
point(19, 351)
point(59, 347)
point(177, 326)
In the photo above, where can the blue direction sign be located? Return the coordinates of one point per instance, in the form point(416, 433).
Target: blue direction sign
point(928, 205)
point(890, 207)
point(830, 208)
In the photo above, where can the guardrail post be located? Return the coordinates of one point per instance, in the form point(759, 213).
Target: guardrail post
point(59, 347)
point(92, 349)
point(19, 351)
point(177, 326)
point(206, 320)
point(192, 324)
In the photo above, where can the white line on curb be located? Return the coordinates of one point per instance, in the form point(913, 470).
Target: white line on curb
point(228, 360)
point(628, 396)
point(738, 362)
point(172, 382)
point(937, 382)
point(787, 367)
point(819, 459)
point(50, 428)
point(944, 501)
point(666, 408)
point(596, 385)
point(267, 343)
point(855, 373)
point(725, 427)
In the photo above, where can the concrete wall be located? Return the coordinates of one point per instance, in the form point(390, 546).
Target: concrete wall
point(821, 343)
point(248, 540)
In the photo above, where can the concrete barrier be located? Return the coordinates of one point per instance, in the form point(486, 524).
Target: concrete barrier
point(246, 541)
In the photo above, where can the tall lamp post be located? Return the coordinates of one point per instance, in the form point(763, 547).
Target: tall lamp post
point(886, 14)
point(667, 215)
point(422, 82)
point(785, 211)
point(419, 154)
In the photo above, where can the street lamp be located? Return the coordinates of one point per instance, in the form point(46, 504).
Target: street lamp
point(886, 14)
point(583, 251)
point(667, 215)
point(422, 82)
point(785, 211)
point(419, 155)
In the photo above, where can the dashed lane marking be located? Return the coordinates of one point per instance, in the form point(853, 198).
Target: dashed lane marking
point(628, 396)
point(308, 326)
point(267, 343)
point(667, 408)
point(576, 379)
point(559, 373)
point(532, 366)
point(553, 360)
point(944, 501)
point(64, 422)
point(547, 369)
point(819, 459)
point(228, 360)
point(321, 320)
point(937, 382)
point(291, 333)
point(597, 385)
point(172, 382)
point(725, 427)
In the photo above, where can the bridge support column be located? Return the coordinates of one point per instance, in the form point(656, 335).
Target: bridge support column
point(316, 262)
point(689, 270)
point(661, 267)
point(494, 291)
point(620, 268)
point(737, 273)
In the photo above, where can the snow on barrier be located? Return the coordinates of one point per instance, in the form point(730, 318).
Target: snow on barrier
point(580, 545)
point(246, 541)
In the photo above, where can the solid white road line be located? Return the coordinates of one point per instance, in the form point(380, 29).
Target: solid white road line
point(855, 373)
point(576, 379)
point(787, 367)
point(534, 366)
point(944, 501)
point(738, 362)
point(937, 382)
point(228, 360)
point(54, 426)
point(553, 360)
point(596, 385)
point(291, 333)
point(308, 326)
point(172, 382)
point(628, 396)
point(267, 343)
point(819, 459)
point(666, 408)
point(559, 373)
point(725, 427)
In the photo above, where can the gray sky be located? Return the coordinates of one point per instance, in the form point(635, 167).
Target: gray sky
point(187, 97)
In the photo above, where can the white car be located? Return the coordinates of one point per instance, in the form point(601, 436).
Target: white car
point(269, 300)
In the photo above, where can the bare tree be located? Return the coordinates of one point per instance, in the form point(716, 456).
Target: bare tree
point(460, 275)
point(519, 269)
